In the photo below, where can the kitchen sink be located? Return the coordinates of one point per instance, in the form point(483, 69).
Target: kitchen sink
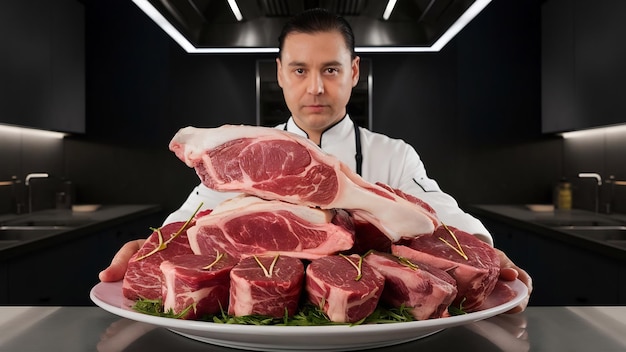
point(58, 223)
point(12, 234)
point(603, 233)
point(562, 223)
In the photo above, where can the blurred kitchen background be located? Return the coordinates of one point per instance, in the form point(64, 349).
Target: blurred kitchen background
point(485, 113)
point(105, 72)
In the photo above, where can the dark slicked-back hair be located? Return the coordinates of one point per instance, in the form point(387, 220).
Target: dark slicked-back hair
point(315, 21)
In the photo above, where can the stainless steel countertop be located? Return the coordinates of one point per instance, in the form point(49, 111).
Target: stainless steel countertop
point(80, 329)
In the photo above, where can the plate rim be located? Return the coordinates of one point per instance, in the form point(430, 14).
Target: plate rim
point(107, 294)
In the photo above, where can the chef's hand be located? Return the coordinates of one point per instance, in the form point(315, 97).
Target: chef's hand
point(509, 272)
point(116, 270)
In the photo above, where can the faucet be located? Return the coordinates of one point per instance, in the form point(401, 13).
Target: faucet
point(30, 191)
point(613, 182)
point(599, 183)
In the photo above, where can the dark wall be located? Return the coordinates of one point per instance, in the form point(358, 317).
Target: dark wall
point(471, 111)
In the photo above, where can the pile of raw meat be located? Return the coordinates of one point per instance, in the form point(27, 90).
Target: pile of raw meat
point(305, 229)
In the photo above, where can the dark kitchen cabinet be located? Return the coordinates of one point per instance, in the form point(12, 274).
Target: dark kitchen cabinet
point(583, 72)
point(562, 274)
point(64, 273)
point(42, 64)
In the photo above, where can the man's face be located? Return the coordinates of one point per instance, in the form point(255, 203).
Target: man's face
point(317, 74)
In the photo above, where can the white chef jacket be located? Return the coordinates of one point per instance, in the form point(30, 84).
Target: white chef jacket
point(387, 160)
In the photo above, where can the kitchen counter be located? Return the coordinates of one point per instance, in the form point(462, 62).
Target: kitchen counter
point(82, 223)
point(552, 225)
point(53, 257)
point(79, 329)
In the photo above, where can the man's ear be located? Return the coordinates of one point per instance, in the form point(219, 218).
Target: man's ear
point(356, 71)
point(279, 74)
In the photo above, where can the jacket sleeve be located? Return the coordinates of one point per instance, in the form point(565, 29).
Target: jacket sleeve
point(200, 195)
point(414, 180)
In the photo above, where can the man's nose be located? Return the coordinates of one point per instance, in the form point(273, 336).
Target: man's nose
point(315, 84)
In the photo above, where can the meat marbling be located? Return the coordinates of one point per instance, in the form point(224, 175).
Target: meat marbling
point(143, 276)
point(197, 284)
point(476, 274)
point(268, 286)
point(248, 225)
point(334, 285)
point(275, 164)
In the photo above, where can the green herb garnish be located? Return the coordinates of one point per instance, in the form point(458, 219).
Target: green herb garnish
point(457, 310)
point(458, 247)
point(358, 266)
point(155, 307)
point(163, 244)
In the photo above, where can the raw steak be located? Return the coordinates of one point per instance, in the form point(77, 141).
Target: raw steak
point(143, 276)
point(275, 164)
point(268, 286)
point(333, 283)
point(501, 294)
point(428, 291)
point(249, 225)
point(369, 237)
point(475, 275)
point(199, 284)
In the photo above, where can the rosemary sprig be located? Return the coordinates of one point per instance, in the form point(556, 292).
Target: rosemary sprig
point(268, 273)
point(458, 247)
point(406, 262)
point(218, 257)
point(163, 244)
point(358, 266)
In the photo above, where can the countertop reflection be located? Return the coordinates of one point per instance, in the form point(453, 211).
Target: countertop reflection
point(81, 329)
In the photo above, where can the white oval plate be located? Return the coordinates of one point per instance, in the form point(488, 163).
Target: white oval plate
point(108, 296)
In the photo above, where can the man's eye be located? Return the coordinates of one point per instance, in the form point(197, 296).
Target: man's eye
point(299, 71)
point(332, 70)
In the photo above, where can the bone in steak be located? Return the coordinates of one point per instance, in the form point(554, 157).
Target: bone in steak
point(143, 276)
point(333, 284)
point(268, 286)
point(476, 276)
point(197, 284)
point(428, 291)
point(275, 164)
point(248, 225)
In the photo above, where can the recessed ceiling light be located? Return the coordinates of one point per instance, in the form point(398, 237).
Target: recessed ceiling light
point(474, 9)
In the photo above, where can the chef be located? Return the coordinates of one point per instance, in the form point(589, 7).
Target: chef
point(317, 69)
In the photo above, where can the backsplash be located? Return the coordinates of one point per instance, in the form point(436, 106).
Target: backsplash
point(25, 152)
point(599, 151)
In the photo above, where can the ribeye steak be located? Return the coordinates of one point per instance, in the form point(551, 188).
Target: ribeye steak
point(268, 286)
point(346, 292)
point(143, 276)
point(275, 164)
point(428, 291)
point(197, 284)
point(248, 225)
point(475, 265)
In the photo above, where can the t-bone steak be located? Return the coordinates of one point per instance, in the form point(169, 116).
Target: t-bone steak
point(143, 276)
point(275, 164)
point(196, 285)
point(269, 286)
point(247, 225)
point(344, 287)
point(473, 263)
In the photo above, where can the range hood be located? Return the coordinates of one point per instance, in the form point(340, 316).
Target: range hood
point(253, 26)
